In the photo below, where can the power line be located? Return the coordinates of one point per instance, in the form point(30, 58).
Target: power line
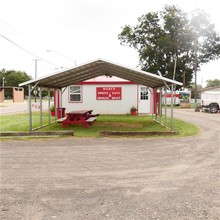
point(27, 51)
point(12, 28)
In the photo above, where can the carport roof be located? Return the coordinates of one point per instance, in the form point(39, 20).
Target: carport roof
point(97, 68)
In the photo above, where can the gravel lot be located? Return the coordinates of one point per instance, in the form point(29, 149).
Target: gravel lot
point(72, 178)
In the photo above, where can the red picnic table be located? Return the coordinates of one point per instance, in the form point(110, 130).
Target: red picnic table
point(84, 117)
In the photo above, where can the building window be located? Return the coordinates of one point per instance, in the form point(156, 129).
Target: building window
point(144, 93)
point(75, 94)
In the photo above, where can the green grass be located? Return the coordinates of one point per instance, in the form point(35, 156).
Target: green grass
point(111, 123)
point(184, 128)
point(20, 122)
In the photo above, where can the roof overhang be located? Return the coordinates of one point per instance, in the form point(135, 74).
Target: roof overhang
point(97, 68)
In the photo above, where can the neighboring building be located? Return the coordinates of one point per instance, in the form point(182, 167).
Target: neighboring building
point(17, 93)
point(108, 95)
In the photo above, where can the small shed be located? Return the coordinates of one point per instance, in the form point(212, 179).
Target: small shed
point(17, 93)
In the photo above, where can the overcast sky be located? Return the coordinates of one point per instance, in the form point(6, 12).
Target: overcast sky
point(79, 31)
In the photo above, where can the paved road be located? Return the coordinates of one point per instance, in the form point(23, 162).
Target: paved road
point(72, 178)
point(9, 107)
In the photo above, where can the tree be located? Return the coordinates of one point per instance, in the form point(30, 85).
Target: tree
point(213, 83)
point(170, 37)
point(13, 78)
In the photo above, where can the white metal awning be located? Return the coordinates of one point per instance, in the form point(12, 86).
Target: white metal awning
point(97, 68)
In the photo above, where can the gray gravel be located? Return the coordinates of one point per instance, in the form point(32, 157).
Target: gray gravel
point(126, 178)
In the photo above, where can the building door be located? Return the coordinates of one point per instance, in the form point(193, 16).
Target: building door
point(144, 100)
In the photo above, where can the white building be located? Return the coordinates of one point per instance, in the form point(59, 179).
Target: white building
point(108, 95)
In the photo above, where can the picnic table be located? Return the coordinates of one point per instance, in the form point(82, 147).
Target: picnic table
point(84, 117)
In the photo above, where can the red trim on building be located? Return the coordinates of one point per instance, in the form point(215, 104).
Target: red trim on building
point(105, 82)
point(56, 96)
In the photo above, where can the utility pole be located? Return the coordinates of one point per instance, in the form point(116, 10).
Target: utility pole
point(35, 76)
point(195, 68)
point(174, 70)
point(3, 81)
point(184, 80)
point(35, 67)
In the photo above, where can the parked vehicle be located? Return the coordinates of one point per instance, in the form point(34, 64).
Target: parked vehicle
point(178, 97)
point(211, 100)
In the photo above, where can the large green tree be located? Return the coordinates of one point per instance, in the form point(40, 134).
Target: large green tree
point(13, 78)
point(213, 83)
point(170, 37)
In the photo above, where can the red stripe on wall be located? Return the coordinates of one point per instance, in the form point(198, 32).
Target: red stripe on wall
point(104, 83)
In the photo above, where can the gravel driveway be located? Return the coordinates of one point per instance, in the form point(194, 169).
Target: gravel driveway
point(72, 178)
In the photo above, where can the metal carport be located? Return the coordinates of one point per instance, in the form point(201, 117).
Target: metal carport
point(99, 67)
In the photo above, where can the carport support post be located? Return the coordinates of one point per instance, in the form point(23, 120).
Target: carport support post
point(40, 94)
point(160, 106)
point(165, 110)
point(155, 103)
point(152, 103)
point(30, 110)
point(61, 100)
point(49, 105)
point(55, 103)
point(171, 110)
point(61, 103)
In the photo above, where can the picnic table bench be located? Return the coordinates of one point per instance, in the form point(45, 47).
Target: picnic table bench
point(84, 117)
point(60, 120)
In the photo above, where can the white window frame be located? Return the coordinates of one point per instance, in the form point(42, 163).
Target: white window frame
point(76, 92)
point(144, 95)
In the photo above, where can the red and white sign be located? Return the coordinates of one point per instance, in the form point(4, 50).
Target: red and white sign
point(108, 93)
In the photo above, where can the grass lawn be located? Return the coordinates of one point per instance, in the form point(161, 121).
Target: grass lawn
point(20, 122)
point(111, 123)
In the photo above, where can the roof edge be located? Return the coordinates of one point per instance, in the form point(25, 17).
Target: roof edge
point(170, 81)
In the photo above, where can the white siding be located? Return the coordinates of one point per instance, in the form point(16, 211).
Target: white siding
point(129, 98)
